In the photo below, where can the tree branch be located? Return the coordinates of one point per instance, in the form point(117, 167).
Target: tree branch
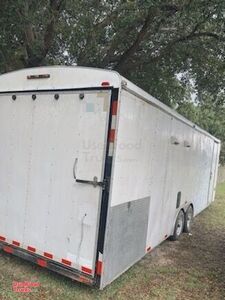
point(34, 57)
point(168, 49)
point(169, 9)
point(107, 20)
point(190, 36)
point(55, 7)
point(132, 49)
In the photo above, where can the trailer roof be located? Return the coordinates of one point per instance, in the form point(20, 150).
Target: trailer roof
point(74, 77)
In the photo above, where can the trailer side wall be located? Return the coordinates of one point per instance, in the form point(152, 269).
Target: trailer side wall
point(156, 157)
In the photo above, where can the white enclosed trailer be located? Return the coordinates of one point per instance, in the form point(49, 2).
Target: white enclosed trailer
point(95, 172)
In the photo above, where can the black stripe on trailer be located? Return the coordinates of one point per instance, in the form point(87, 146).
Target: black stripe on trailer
point(105, 193)
point(57, 90)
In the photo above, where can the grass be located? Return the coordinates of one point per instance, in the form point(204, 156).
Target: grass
point(191, 268)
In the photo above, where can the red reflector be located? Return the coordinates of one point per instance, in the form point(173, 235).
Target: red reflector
point(8, 249)
point(32, 249)
point(99, 268)
point(86, 270)
point(114, 107)
point(15, 243)
point(66, 262)
point(48, 255)
point(2, 238)
point(105, 83)
point(112, 135)
point(41, 262)
point(149, 249)
point(84, 279)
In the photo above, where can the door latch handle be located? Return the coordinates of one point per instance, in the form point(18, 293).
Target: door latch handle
point(74, 168)
point(94, 182)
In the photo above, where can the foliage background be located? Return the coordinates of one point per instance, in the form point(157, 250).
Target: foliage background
point(174, 49)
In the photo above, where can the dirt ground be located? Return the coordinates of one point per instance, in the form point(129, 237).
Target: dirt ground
point(191, 268)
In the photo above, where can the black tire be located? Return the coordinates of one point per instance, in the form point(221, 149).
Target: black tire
point(179, 226)
point(188, 219)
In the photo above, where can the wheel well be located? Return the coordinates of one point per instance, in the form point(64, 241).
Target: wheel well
point(183, 210)
point(192, 205)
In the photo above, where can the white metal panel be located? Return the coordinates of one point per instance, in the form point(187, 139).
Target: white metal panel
point(61, 77)
point(147, 163)
point(90, 141)
point(141, 94)
point(64, 77)
point(161, 207)
point(15, 120)
point(213, 173)
point(201, 160)
point(43, 205)
point(131, 173)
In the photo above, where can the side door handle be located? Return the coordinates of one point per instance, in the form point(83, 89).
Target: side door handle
point(74, 168)
point(94, 182)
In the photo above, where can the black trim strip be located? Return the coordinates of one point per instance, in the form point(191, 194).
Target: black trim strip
point(58, 90)
point(105, 193)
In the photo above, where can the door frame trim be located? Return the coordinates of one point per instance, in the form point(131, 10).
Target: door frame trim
point(105, 192)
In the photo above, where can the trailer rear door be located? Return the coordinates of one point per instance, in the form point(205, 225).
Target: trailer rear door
point(46, 140)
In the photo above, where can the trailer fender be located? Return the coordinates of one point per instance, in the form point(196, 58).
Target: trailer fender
point(187, 205)
point(174, 221)
point(188, 219)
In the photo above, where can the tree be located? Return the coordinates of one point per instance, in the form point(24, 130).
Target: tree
point(171, 48)
point(28, 29)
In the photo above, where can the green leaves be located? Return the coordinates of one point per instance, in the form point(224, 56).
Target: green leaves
point(172, 49)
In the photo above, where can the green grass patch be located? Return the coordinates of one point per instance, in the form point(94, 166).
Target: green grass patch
point(192, 268)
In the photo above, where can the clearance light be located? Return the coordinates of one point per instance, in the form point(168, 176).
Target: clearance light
point(105, 83)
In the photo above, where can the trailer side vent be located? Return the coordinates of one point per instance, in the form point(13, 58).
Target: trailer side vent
point(187, 144)
point(178, 199)
point(174, 140)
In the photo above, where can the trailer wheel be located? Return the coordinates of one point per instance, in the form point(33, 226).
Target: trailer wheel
point(179, 226)
point(188, 219)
